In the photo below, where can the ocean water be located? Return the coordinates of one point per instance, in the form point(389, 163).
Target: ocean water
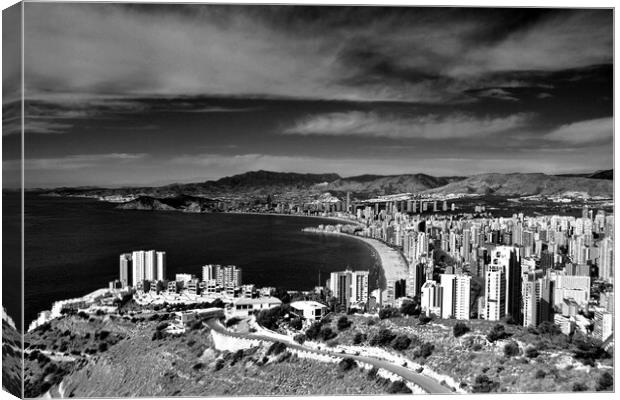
point(72, 247)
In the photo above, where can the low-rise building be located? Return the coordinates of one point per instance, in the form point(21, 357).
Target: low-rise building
point(309, 311)
point(244, 306)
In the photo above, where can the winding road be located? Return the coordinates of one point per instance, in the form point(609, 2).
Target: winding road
point(427, 384)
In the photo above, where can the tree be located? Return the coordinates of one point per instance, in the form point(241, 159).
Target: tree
point(313, 331)
point(276, 348)
point(300, 338)
point(327, 333)
point(579, 387)
point(497, 333)
point(605, 382)
point(401, 342)
point(358, 338)
point(347, 364)
point(424, 319)
point(549, 328)
point(425, 350)
point(398, 387)
point(484, 384)
point(343, 323)
point(382, 338)
point(410, 307)
point(511, 349)
point(531, 352)
point(460, 329)
point(389, 312)
point(296, 323)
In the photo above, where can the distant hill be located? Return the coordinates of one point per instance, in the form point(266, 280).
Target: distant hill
point(604, 174)
point(262, 183)
point(379, 185)
point(519, 184)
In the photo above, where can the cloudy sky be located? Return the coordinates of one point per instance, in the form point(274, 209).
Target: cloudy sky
point(120, 94)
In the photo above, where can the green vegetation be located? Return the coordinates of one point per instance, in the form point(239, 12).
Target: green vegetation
point(511, 349)
point(389, 312)
point(605, 382)
point(497, 333)
point(347, 364)
point(343, 323)
point(398, 387)
point(460, 329)
point(483, 384)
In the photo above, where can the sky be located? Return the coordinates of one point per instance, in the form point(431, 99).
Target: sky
point(150, 94)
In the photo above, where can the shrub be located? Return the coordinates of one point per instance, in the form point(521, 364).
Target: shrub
point(359, 338)
point(401, 342)
point(531, 352)
point(343, 323)
point(102, 334)
point(276, 348)
point(326, 333)
point(233, 321)
point(103, 347)
point(460, 329)
point(605, 382)
point(238, 356)
point(409, 307)
point(389, 312)
point(161, 326)
point(382, 338)
point(313, 331)
point(484, 384)
point(549, 328)
point(424, 319)
point(497, 333)
point(198, 366)
point(398, 387)
point(372, 374)
point(579, 387)
point(425, 350)
point(476, 347)
point(540, 374)
point(511, 349)
point(346, 364)
point(219, 364)
point(296, 323)
point(300, 338)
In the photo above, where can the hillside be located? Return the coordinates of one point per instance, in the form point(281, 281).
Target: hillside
point(519, 184)
point(379, 185)
point(263, 183)
point(182, 203)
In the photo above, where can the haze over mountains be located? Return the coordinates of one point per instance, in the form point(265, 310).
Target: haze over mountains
point(262, 183)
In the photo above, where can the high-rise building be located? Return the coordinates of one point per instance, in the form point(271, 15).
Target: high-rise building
point(603, 324)
point(137, 274)
point(161, 265)
point(431, 298)
point(124, 268)
point(508, 259)
point(150, 265)
point(455, 296)
point(606, 259)
point(225, 278)
point(349, 287)
point(415, 279)
point(495, 293)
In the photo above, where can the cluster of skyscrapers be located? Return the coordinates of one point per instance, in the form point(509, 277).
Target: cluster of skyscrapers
point(529, 269)
point(141, 265)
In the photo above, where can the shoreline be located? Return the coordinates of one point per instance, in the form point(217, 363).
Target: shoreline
point(338, 219)
point(393, 265)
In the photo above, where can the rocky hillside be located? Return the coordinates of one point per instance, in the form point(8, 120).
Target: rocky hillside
point(379, 185)
point(263, 183)
point(177, 203)
point(518, 184)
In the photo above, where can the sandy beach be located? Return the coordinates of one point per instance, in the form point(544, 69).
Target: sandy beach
point(392, 262)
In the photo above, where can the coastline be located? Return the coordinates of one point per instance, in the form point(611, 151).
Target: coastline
point(393, 265)
point(337, 219)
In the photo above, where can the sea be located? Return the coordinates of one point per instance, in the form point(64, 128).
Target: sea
point(72, 247)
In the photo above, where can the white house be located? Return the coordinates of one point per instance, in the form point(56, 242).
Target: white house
point(244, 306)
point(310, 311)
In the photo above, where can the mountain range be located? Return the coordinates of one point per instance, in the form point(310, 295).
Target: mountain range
point(263, 183)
